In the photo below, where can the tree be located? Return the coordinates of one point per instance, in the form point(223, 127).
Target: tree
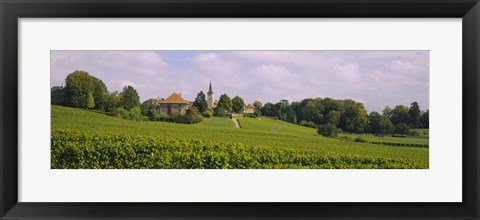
point(111, 101)
point(91, 101)
point(333, 117)
point(328, 130)
point(385, 126)
point(220, 111)
point(387, 111)
point(400, 115)
point(355, 117)
point(194, 115)
point(207, 113)
point(414, 115)
point(225, 103)
point(100, 93)
point(238, 104)
point(78, 85)
point(424, 119)
point(129, 98)
point(267, 109)
point(290, 115)
point(257, 105)
point(135, 114)
point(200, 102)
point(402, 129)
point(313, 111)
point(379, 124)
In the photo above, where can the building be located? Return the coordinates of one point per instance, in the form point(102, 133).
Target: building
point(154, 101)
point(211, 103)
point(249, 109)
point(174, 105)
point(58, 95)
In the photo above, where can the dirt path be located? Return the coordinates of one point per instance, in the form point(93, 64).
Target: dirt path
point(235, 121)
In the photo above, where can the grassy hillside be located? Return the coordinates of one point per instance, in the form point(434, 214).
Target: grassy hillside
point(217, 122)
point(264, 143)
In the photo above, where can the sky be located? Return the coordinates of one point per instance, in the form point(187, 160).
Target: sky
point(375, 78)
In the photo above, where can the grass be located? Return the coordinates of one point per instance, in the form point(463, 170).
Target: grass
point(422, 132)
point(373, 138)
point(217, 122)
point(264, 133)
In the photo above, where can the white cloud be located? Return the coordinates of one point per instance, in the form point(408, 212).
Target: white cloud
point(378, 78)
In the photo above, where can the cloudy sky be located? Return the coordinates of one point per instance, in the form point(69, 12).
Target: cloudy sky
point(375, 78)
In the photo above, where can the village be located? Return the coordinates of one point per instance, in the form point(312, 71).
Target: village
point(175, 104)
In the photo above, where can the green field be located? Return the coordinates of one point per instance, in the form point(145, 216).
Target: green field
point(218, 122)
point(84, 139)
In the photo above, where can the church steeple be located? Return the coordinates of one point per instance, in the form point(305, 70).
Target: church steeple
point(210, 88)
point(210, 97)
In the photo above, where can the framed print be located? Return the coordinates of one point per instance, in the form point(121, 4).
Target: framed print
point(226, 109)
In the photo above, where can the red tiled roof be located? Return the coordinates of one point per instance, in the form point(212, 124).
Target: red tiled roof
point(174, 98)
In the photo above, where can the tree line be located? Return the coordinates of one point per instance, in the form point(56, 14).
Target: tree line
point(329, 116)
point(332, 116)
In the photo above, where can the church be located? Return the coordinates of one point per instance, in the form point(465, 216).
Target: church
point(175, 104)
point(211, 103)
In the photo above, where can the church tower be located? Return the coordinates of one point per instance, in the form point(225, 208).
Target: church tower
point(210, 98)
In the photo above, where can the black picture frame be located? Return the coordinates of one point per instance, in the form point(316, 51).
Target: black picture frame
point(12, 10)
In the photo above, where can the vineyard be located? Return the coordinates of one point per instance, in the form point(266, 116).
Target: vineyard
point(88, 140)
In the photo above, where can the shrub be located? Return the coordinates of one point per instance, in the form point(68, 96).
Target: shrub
point(120, 112)
point(402, 129)
point(328, 130)
point(359, 139)
point(208, 113)
point(135, 114)
point(249, 115)
point(414, 133)
point(308, 124)
point(345, 138)
point(194, 115)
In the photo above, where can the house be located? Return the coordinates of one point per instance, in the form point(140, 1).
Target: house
point(174, 105)
point(249, 109)
point(154, 101)
point(58, 95)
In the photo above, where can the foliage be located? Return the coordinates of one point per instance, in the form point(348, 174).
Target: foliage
point(208, 113)
point(414, 114)
point(308, 124)
point(225, 105)
point(72, 149)
point(402, 129)
point(150, 110)
point(134, 114)
point(78, 85)
point(100, 93)
point(129, 98)
point(257, 105)
point(359, 139)
point(194, 115)
point(255, 133)
point(425, 119)
point(200, 102)
point(355, 117)
point(379, 124)
point(399, 114)
point(221, 112)
point(328, 130)
point(238, 104)
point(333, 117)
point(111, 101)
point(91, 101)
